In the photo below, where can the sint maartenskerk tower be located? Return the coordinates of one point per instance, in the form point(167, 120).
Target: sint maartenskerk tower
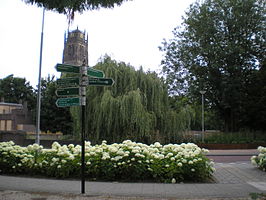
point(75, 48)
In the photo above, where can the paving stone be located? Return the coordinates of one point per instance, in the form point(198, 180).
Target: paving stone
point(233, 181)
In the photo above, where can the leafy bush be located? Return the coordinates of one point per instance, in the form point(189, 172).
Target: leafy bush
point(127, 161)
point(236, 138)
point(260, 160)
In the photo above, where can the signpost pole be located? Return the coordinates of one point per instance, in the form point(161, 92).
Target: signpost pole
point(68, 87)
point(83, 106)
point(83, 149)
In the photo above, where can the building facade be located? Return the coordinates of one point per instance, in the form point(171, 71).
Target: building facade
point(15, 117)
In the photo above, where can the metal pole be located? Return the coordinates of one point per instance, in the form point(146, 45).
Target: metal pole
point(83, 106)
point(39, 87)
point(202, 118)
point(202, 92)
point(83, 150)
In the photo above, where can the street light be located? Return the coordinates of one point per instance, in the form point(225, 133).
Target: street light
point(202, 92)
point(37, 140)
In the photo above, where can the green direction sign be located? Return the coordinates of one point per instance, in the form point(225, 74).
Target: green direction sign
point(66, 82)
point(95, 73)
point(101, 81)
point(63, 92)
point(64, 102)
point(67, 68)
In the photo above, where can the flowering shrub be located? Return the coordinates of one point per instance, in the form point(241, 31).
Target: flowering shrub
point(260, 160)
point(127, 161)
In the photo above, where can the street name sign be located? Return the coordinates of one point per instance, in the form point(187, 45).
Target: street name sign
point(67, 68)
point(66, 82)
point(64, 92)
point(101, 81)
point(65, 102)
point(95, 73)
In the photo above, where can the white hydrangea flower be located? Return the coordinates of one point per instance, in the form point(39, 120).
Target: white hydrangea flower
point(55, 159)
point(169, 155)
point(71, 157)
point(113, 149)
point(190, 162)
point(204, 150)
point(157, 145)
point(92, 153)
point(117, 158)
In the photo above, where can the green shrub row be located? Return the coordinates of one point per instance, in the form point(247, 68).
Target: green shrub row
point(127, 161)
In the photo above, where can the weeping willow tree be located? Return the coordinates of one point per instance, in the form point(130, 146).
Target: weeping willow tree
point(136, 107)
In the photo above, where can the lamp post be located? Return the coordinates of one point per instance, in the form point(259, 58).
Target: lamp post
point(39, 87)
point(202, 92)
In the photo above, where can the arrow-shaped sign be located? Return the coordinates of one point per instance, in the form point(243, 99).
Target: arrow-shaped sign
point(66, 82)
point(67, 68)
point(101, 81)
point(95, 73)
point(64, 92)
point(64, 102)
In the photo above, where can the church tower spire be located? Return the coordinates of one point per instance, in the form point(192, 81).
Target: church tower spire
point(75, 48)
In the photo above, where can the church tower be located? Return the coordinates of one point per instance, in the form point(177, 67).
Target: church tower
point(75, 48)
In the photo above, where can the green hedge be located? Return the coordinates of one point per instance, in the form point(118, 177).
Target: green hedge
point(127, 161)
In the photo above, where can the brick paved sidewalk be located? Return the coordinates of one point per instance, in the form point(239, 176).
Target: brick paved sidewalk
point(233, 181)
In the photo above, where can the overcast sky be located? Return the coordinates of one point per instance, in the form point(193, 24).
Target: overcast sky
point(129, 33)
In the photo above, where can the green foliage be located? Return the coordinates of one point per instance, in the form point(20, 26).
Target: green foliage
point(257, 196)
point(254, 106)
point(236, 138)
point(136, 107)
point(14, 90)
point(69, 7)
point(219, 48)
point(127, 161)
point(53, 119)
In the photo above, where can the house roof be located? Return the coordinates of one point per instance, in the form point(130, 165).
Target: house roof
point(11, 104)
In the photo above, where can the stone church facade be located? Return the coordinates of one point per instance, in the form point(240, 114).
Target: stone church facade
point(75, 48)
